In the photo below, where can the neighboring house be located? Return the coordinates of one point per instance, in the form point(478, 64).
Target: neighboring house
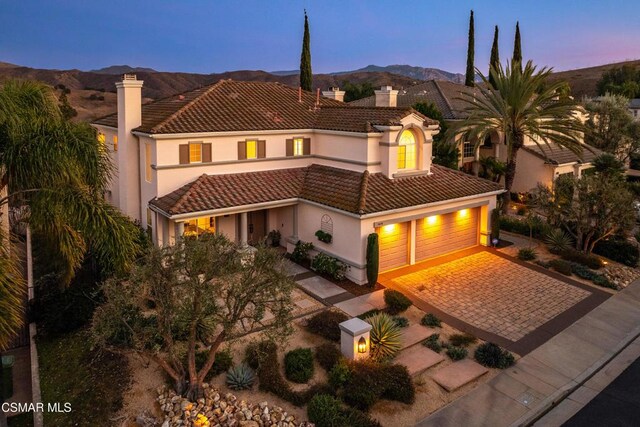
point(244, 158)
point(634, 108)
point(536, 164)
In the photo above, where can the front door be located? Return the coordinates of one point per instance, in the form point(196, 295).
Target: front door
point(257, 226)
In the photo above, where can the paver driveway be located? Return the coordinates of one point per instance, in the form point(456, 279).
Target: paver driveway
point(492, 293)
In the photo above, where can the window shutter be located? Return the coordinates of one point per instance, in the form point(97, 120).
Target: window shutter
point(262, 149)
point(206, 153)
point(306, 150)
point(242, 150)
point(289, 147)
point(184, 154)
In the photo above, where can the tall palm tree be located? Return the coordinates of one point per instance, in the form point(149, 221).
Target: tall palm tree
point(58, 171)
point(521, 106)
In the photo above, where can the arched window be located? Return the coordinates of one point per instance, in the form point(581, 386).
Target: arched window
point(407, 150)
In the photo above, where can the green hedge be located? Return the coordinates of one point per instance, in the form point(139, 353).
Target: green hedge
point(619, 250)
point(520, 226)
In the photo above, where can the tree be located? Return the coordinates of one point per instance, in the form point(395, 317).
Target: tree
point(357, 91)
point(12, 291)
point(591, 208)
point(516, 62)
point(306, 78)
point(197, 293)
point(59, 170)
point(469, 79)
point(494, 62)
point(518, 110)
point(444, 152)
point(624, 81)
point(611, 127)
point(67, 111)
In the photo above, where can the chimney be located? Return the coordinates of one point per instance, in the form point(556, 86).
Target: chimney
point(128, 155)
point(334, 93)
point(386, 97)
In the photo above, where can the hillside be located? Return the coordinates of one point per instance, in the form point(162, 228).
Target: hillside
point(121, 69)
point(419, 73)
point(583, 80)
point(162, 84)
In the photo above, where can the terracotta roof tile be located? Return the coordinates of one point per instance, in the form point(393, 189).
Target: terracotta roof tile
point(350, 191)
point(555, 154)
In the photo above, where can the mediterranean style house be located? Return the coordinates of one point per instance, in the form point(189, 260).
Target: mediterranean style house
point(536, 163)
point(246, 158)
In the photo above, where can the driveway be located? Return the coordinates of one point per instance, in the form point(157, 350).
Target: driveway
point(496, 297)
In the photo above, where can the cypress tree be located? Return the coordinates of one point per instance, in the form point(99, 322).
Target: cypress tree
point(470, 75)
point(306, 78)
point(517, 50)
point(494, 62)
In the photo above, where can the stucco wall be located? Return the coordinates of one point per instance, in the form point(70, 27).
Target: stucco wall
point(531, 170)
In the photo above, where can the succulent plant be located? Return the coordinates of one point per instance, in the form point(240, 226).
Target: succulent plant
point(240, 377)
point(385, 336)
point(557, 240)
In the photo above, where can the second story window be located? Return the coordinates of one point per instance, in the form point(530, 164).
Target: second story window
point(407, 150)
point(252, 149)
point(115, 142)
point(195, 152)
point(468, 150)
point(298, 147)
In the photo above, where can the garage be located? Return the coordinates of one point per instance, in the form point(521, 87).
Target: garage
point(393, 240)
point(440, 234)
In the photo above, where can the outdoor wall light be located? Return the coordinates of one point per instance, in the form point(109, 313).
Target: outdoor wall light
point(362, 345)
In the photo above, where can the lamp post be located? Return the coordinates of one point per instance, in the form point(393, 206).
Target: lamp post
point(362, 345)
point(354, 338)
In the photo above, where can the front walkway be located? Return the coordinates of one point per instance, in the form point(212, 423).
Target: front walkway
point(496, 297)
point(543, 378)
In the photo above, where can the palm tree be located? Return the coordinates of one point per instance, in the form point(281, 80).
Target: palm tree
point(521, 106)
point(58, 172)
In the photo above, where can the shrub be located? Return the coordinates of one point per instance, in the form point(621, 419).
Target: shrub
point(582, 271)
point(339, 374)
point(587, 260)
point(600, 280)
point(301, 251)
point(274, 237)
point(521, 211)
point(352, 417)
point(326, 324)
point(618, 249)
point(385, 337)
point(365, 385)
point(527, 254)
point(325, 264)
point(557, 241)
point(240, 377)
point(373, 255)
point(396, 301)
point(492, 356)
point(535, 226)
point(323, 236)
point(462, 340)
point(637, 236)
point(328, 355)
point(369, 313)
point(398, 384)
point(457, 353)
point(561, 266)
point(324, 411)
point(402, 322)
point(433, 342)
point(298, 365)
point(222, 362)
point(431, 321)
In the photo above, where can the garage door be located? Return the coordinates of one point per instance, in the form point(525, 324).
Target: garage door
point(393, 241)
point(439, 234)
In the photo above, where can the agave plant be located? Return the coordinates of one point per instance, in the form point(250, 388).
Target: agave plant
point(385, 336)
point(240, 377)
point(558, 240)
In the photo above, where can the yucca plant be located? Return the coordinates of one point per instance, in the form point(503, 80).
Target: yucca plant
point(385, 336)
point(240, 377)
point(558, 241)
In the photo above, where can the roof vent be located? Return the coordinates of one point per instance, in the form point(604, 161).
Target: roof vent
point(129, 77)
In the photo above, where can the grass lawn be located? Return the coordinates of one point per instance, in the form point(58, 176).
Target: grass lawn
point(91, 380)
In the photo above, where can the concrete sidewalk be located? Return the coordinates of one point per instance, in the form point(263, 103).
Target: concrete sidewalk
point(545, 377)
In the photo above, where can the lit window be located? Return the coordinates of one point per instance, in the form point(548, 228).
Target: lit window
point(199, 226)
point(195, 152)
point(298, 146)
point(147, 162)
point(101, 139)
point(252, 149)
point(407, 150)
point(115, 142)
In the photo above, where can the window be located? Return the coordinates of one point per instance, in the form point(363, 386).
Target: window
point(101, 139)
point(198, 226)
point(298, 146)
point(252, 149)
point(147, 162)
point(195, 152)
point(407, 150)
point(115, 142)
point(468, 150)
point(149, 223)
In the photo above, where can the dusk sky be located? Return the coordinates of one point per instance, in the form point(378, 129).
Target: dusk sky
point(207, 36)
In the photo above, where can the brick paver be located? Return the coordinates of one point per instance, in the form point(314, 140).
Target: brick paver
point(493, 293)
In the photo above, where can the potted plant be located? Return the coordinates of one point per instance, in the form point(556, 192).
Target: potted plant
point(323, 236)
point(274, 238)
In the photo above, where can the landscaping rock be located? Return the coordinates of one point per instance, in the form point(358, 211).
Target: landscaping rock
point(216, 410)
point(621, 275)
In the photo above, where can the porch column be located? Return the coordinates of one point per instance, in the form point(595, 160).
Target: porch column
point(485, 224)
point(412, 242)
point(179, 230)
point(243, 229)
point(295, 222)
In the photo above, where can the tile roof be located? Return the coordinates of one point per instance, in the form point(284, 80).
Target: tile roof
point(445, 95)
point(350, 191)
point(245, 106)
point(557, 155)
